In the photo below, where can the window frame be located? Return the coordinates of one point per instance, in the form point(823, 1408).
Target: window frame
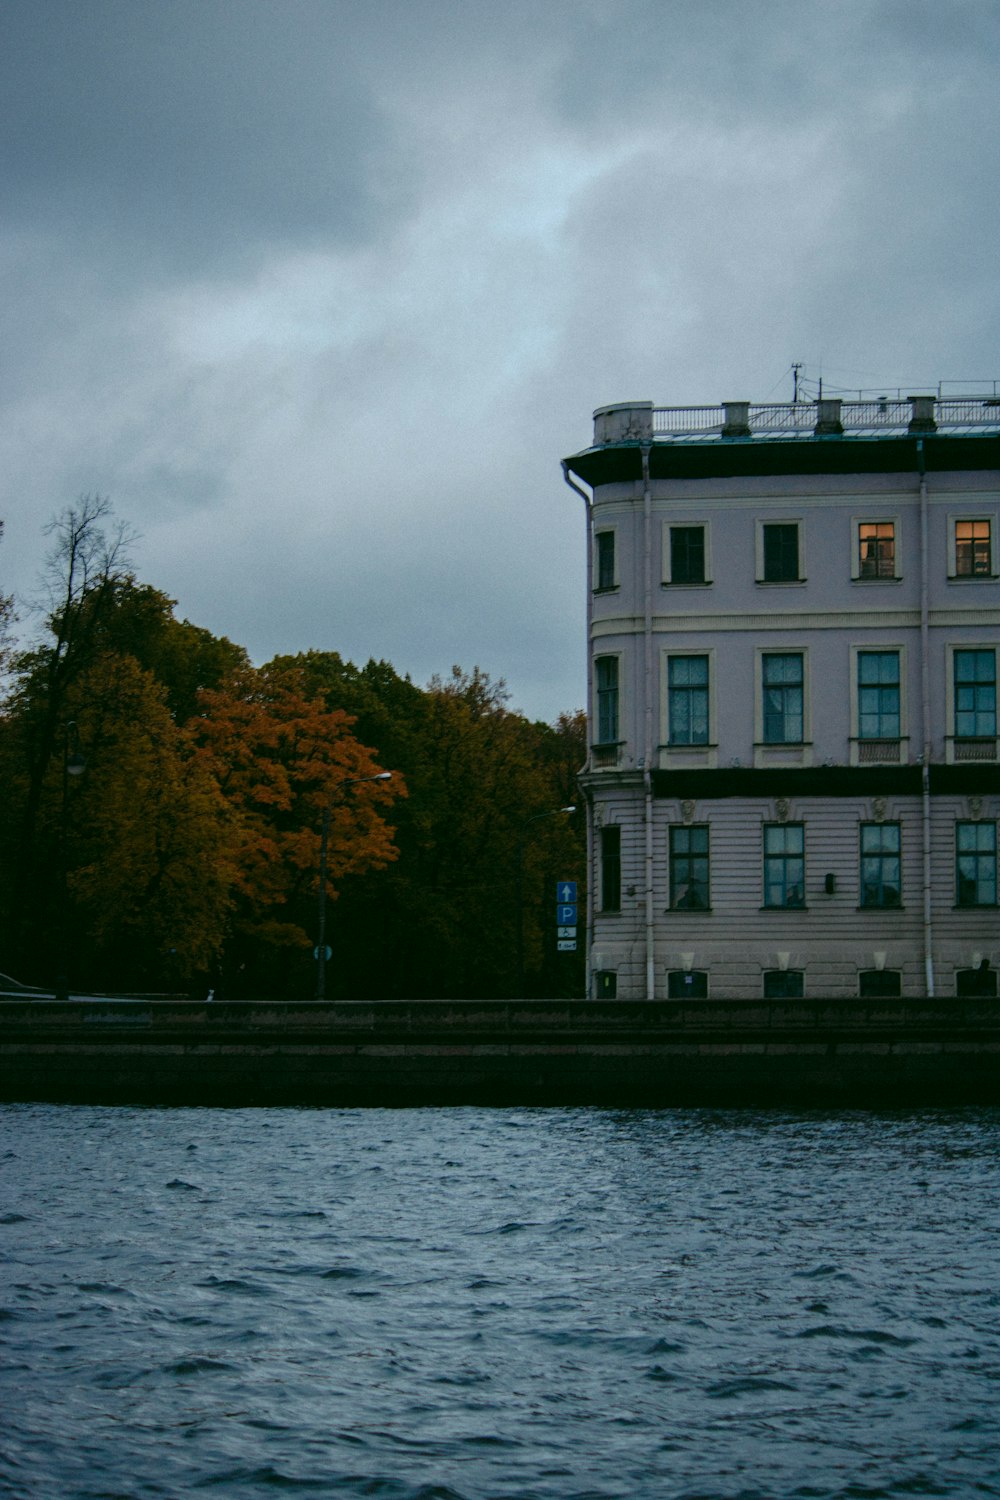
point(893, 744)
point(979, 855)
point(892, 716)
point(764, 654)
point(976, 983)
point(783, 990)
point(879, 990)
point(956, 519)
point(673, 975)
point(678, 858)
point(782, 859)
point(610, 885)
point(602, 534)
point(602, 740)
point(688, 690)
point(759, 550)
point(858, 574)
point(668, 580)
point(968, 650)
point(882, 855)
point(965, 748)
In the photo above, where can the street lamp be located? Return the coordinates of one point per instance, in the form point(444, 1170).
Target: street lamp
point(522, 840)
point(321, 948)
point(73, 764)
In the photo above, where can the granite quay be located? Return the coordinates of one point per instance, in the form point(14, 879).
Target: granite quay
point(814, 1052)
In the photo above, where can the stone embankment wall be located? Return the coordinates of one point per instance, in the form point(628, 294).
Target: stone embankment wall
point(868, 1053)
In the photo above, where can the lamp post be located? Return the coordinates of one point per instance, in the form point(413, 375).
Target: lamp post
point(73, 764)
point(553, 812)
point(321, 950)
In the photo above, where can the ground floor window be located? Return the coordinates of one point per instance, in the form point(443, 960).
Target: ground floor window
point(880, 864)
point(880, 984)
point(976, 984)
point(606, 984)
point(689, 890)
point(687, 984)
point(784, 984)
point(975, 864)
point(784, 864)
point(611, 868)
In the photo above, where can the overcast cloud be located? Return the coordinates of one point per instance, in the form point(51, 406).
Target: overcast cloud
point(319, 292)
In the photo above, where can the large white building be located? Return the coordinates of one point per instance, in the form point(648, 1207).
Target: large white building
point(793, 616)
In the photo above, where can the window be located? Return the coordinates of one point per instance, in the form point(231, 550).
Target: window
point(784, 984)
point(687, 984)
point(606, 670)
point(689, 867)
point(880, 984)
point(975, 694)
point(973, 549)
point(784, 864)
point(781, 552)
point(880, 864)
point(781, 681)
point(687, 683)
point(607, 577)
point(611, 868)
point(606, 984)
point(975, 864)
point(877, 549)
point(976, 984)
point(687, 554)
point(878, 695)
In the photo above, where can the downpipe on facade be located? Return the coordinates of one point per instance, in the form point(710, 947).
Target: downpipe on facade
point(925, 693)
point(588, 799)
point(647, 749)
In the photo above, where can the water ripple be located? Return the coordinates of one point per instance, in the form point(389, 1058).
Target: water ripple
point(499, 1305)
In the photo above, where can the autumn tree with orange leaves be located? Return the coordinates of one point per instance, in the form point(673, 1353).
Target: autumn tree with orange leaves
point(280, 758)
point(186, 856)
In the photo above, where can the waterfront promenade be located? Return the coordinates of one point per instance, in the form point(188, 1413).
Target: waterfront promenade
point(871, 1053)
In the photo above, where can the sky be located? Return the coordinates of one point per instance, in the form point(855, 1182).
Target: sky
point(320, 292)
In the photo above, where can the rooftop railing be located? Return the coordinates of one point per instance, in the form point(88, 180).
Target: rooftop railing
point(641, 421)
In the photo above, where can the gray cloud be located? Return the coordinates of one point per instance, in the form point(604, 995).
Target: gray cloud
point(190, 133)
point(320, 291)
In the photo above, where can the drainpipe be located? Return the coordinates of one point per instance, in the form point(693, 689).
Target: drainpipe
point(648, 684)
point(588, 799)
point(925, 693)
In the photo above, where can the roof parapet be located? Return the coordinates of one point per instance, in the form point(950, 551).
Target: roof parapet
point(883, 416)
point(627, 422)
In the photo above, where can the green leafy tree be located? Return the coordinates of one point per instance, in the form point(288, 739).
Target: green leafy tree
point(152, 845)
point(6, 621)
point(443, 920)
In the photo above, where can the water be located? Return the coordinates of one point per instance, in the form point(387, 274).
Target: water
point(497, 1303)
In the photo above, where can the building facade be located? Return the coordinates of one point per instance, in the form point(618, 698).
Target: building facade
point(793, 619)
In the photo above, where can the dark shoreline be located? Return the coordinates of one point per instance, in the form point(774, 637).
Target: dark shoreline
point(802, 1053)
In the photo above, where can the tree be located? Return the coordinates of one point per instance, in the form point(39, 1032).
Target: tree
point(152, 844)
point(190, 846)
point(105, 635)
point(83, 570)
point(443, 919)
point(6, 620)
point(280, 758)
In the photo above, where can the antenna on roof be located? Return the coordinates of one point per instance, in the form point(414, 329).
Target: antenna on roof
point(795, 383)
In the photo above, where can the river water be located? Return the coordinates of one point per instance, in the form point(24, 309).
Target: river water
point(458, 1304)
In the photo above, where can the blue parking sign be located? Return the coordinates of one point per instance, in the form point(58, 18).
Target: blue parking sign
point(566, 915)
